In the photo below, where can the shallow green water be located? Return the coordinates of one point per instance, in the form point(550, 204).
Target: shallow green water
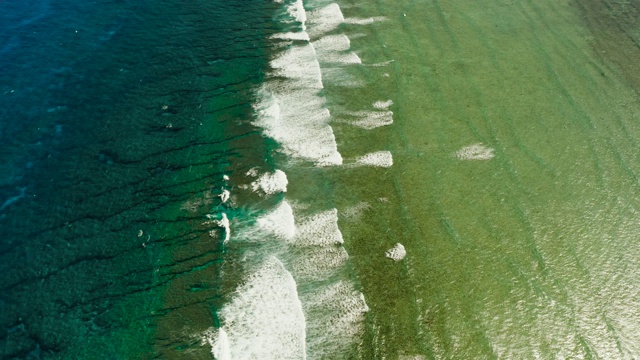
point(529, 254)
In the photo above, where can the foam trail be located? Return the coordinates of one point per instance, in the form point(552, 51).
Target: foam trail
point(224, 224)
point(365, 21)
point(264, 320)
point(382, 105)
point(342, 310)
point(299, 63)
point(396, 253)
point(378, 158)
point(302, 36)
point(289, 108)
point(338, 42)
point(318, 263)
point(298, 14)
point(475, 152)
point(320, 229)
point(325, 19)
point(279, 222)
point(317, 240)
point(298, 121)
point(225, 195)
point(271, 183)
point(355, 211)
point(328, 18)
point(372, 119)
point(334, 49)
point(219, 343)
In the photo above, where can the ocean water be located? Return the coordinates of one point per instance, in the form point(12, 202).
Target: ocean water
point(315, 179)
point(119, 122)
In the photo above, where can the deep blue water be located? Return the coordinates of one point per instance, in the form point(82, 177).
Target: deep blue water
point(118, 120)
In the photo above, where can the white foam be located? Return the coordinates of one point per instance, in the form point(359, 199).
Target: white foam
point(317, 246)
point(289, 108)
point(334, 49)
point(350, 303)
point(338, 42)
point(378, 158)
point(301, 35)
point(296, 10)
point(365, 21)
point(337, 76)
point(355, 211)
point(264, 320)
point(342, 310)
point(299, 63)
point(396, 253)
point(475, 152)
point(328, 18)
point(225, 195)
point(372, 119)
point(271, 183)
point(320, 229)
point(318, 263)
point(298, 14)
point(224, 224)
point(279, 222)
point(382, 105)
point(325, 19)
point(219, 342)
point(296, 118)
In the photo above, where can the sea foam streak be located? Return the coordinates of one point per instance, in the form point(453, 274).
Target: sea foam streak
point(328, 18)
point(279, 222)
point(271, 183)
point(339, 309)
point(290, 110)
point(264, 320)
point(320, 229)
point(396, 253)
point(382, 105)
point(307, 286)
point(335, 49)
point(372, 119)
point(475, 152)
point(298, 121)
point(378, 159)
point(325, 19)
point(224, 224)
point(317, 241)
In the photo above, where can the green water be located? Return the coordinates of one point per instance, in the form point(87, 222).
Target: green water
point(532, 253)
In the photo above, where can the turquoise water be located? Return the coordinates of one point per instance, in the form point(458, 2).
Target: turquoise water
point(319, 180)
point(117, 121)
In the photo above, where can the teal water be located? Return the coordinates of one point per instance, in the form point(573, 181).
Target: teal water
point(117, 124)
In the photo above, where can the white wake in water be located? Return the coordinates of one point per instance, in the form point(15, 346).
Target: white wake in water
point(264, 320)
point(290, 109)
point(271, 183)
point(475, 152)
point(298, 299)
point(279, 222)
point(378, 159)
